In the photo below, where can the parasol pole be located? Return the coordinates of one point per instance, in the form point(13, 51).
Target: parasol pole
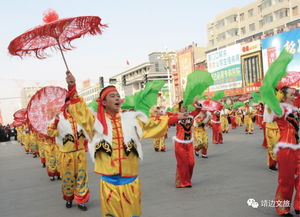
point(62, 54)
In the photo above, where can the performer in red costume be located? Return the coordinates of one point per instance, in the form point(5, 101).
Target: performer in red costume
point(216, 128)
point(232, 115)
point(288, 155)
point(259, 115)
point(184, 149)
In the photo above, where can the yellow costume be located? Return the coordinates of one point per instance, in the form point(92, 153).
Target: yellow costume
point(272, 134)
point(238, 117)
point(248, 123)
point(200, 134)
point(26, 139)
point(41, 148)
point(272, 137)
point(71, 142)
point(117, 154)
point(159, 144)
point(50, 156)
point(33, 143)
point(224, 121)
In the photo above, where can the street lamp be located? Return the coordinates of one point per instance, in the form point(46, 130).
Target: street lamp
point(168, 58)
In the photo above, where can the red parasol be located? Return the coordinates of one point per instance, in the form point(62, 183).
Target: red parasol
point(57, 33)
point(43, 106)
point(211, 105)
point(245, 97)
point(290, 79)
point(20, 115)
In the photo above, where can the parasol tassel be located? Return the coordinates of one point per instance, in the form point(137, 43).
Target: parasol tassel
point(50, 15)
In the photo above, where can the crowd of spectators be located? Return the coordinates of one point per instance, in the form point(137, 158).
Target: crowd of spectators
point(6, 132)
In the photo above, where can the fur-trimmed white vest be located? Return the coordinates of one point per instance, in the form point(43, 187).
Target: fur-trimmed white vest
point(131, 129)
point(65, 130)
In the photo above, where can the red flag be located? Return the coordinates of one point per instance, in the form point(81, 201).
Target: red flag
point(127, 62)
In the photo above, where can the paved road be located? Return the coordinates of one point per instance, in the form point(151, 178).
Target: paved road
point(234, 172)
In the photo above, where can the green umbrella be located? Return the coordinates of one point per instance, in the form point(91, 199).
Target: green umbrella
point(237, 105)
point(128, 103)
point(256, 97)
point(226, 106)
point(202, 96)
point(276, 71)
point(197, 82)
point(218, 95)
point(146, 98)
point(191, 108)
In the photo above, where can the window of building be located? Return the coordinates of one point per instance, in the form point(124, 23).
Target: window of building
point(265, 4)
point(281, 13)
point(212, 42)
point(251, 69)
point(220, 24)
point(261, 23)
point(221, 37)
point(259, 8)
point(278, 1)
point(252, 27)
point(295, 11)
point(156, 67)
point(242, 17)
point(243, 30)
point(268, 18)
point(231, 19)
point(250, 12)
point(232, 32)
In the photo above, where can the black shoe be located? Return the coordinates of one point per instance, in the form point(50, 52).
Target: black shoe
point(34, 156)
point(297, 212)
point(204, 156)
point(52, 178)
point(58, 178)
point(82, 207)
point(69, 204)
point(197, 153)
point(273, 168)
point(44, 165)
point(188, 186)
point(287, 214)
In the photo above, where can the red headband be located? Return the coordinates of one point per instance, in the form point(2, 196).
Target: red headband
point(100, 113)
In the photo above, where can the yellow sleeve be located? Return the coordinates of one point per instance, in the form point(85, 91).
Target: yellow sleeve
point(155, 128)
point(83, 116)
point(52, 129)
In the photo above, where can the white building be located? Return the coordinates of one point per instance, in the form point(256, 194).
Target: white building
point(89, 93)
point(134, 79)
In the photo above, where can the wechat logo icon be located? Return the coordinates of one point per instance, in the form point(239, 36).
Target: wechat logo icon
point(251, 202)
